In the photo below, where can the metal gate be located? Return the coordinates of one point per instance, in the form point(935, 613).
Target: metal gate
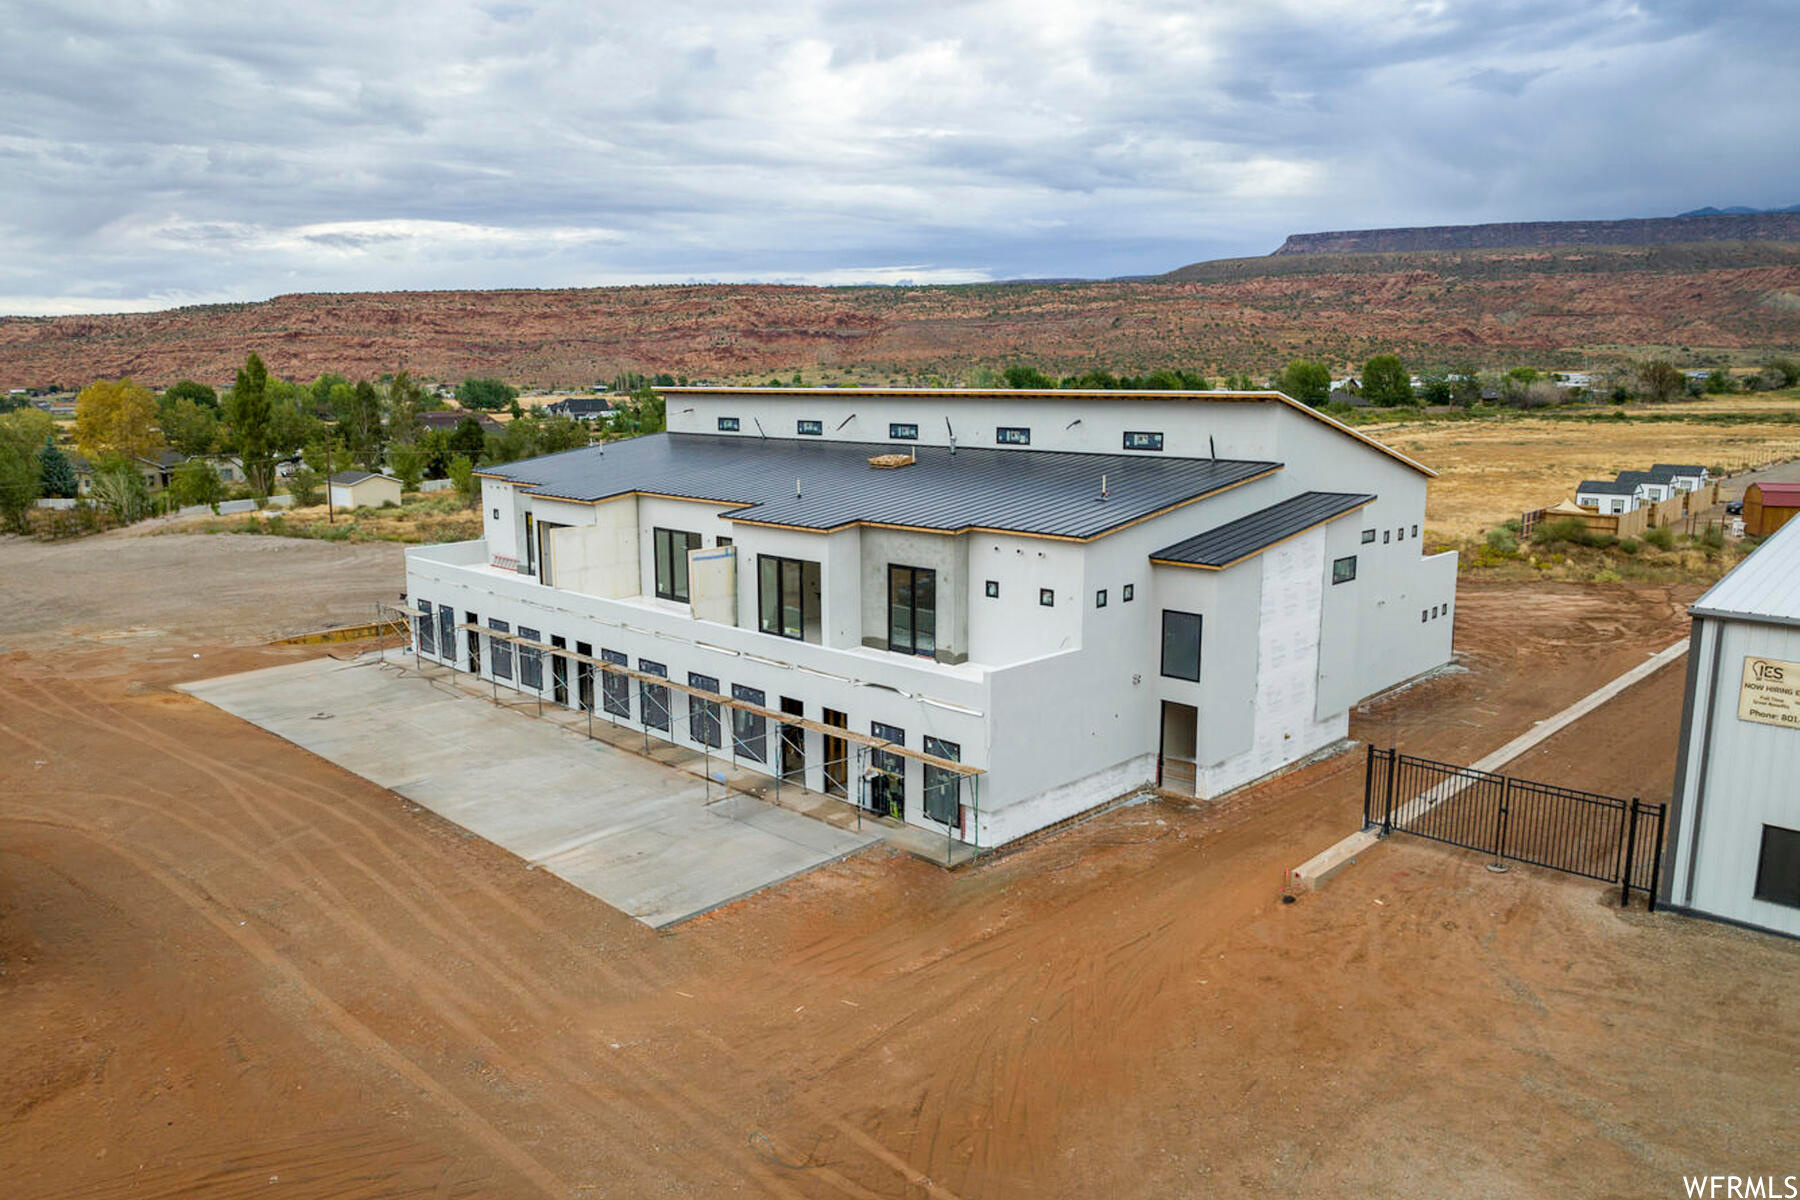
point(1582, 833)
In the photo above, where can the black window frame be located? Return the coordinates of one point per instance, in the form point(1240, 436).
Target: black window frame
point(1387, 536)
point(808, 617)
point(500, 651)
point(911, 646)
point(1100, 598)
point(903, 431)
point(992, 588)
point(615, 688)
point(940, 784)
point(446, 619)
point(1142, 439)
point(887, 789)
point(662, 554)
point(1368, 537)
point(750, 731)
point(1199, 637)
point(703, 714)
point(531, 661)
point(1415, 532)
point(1128, 593)
point(426, 625)
point(653, 698)
point(1337, 576)
point(730, 425)
point(1047, 597)
point(1012, 435)
point(806, 428)
point(1778, 891)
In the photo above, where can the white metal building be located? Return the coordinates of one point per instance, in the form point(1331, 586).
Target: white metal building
point(1733, 851)
point(1075, 593)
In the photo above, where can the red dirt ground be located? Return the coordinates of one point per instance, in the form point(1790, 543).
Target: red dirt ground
point(230, 968)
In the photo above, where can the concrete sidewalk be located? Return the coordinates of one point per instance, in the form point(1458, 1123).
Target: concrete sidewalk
point(636, 834)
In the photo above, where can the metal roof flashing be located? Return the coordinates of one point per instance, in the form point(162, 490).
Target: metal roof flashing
point(1764, 588)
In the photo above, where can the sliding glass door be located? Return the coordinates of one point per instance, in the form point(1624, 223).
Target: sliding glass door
point(912, 610)
point(788, 597)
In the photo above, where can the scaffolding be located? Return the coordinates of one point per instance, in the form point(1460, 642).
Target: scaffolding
point(715, 705)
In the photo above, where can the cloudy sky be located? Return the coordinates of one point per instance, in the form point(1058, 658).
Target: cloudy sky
point(164, 152)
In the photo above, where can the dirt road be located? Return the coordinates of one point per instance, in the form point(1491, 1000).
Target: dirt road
point(231, 968)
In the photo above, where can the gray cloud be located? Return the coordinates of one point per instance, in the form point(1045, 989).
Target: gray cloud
point(179, 152)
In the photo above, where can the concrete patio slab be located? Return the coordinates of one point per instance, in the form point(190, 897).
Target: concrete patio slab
point(636, 834)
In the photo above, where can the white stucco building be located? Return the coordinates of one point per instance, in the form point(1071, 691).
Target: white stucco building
point(1733, 846)
point(1078, 593)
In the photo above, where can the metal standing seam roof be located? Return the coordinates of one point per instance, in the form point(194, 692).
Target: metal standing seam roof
point(1237, 540)
point(1764, 587)
point(1607, 487)
point(1777, 495)
point(351, 478)
point(1680, 468)
point(1044, 493)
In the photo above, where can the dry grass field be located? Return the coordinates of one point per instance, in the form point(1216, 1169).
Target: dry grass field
point(1492, 470)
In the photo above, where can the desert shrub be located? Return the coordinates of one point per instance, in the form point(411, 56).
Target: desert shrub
point(1503, 541)
point(1607, 575)
point(306, 487)
point(1570, 532)
point(1712, 537)
point(1662, 537)
point(1629, 546)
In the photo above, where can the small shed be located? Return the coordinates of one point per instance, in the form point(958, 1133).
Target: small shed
point(1769, 506)
point(1732, 850)
point(364, 489)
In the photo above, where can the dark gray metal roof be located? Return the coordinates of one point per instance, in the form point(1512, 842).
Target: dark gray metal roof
point(1042, 492)
point(1679, 468)
point(1607, 487)
point(351, 478)
point(1237, 540)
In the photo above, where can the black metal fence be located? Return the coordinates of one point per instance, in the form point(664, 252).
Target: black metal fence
point(1582, 833)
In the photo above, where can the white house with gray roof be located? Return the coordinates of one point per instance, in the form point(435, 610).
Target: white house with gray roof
point(1016, 605)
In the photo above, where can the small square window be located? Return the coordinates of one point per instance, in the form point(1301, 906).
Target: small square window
point(1047, 597)
point(1387, 535)
point(496, 514)
point(1012, 435)
point(1424, 615)
point(1400, 534)
point(1415, 531)
point(1343, 570)
point(1100, 598)
point(1129, 591)
point(993, 589)
point(728, 424)
point(1368, 536)
point(1143, 441)
point(907, 432)
point(809, 428)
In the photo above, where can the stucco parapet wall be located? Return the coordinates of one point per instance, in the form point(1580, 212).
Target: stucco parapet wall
point(962, 688)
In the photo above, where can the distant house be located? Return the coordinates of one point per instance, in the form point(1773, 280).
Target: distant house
point(1607, 495)
point(84, 473)
point(1688, 477)
point(364, 489)
point(582, 408)
point(450, 418)
point(1650, 486)
point(158, 469)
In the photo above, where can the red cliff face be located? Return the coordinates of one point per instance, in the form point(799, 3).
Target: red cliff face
point(1485, 307)
point(1725, 227)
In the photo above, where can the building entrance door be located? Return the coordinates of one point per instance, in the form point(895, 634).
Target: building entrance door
point(584, 676)
point(837, 755)
point(471, 619)
point(793, 742)
point(559, 672)
point(1175, 768)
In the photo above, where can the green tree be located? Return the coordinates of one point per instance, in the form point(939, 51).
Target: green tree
point(1721, 381)
point(248, 411)
point(1021, 375)
point(556, 434)
point(305, 486)
point(1660, 381)
point(435, 445)
point(1436, 389)
point(116, 416)
point(468, 487)
point(1465, 387)
point(325, 458)
point(1385, 382)
point(409, 465)
point(467, 439)
point(361, 426)
point(489, 394)
point(189, 426)
point(21, 477)
point(187, 389)
point(196, 481)
point(405, 400)
point(56, 474)
point(1307, 382)
point(1786, 368)
point(119, 487)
